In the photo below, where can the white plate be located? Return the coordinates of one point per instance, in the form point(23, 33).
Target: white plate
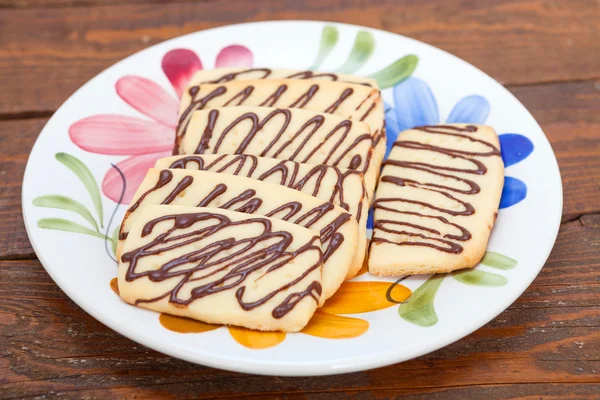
point(134, 102)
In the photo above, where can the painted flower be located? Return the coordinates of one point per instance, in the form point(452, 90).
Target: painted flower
point(145, 140)
point(328, 322)
point(415, 105)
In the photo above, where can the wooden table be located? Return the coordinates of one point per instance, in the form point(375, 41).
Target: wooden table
point(546, 345)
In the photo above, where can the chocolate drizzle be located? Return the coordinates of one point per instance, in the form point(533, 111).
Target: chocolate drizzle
point(272, 99)
point(208, 131)
point(200, 100)
point(195, 104)
point(439, 241)
point(179, 189)
point(247, 201)
point(305, 98)
point(242, 96)
point(229, 260)
point(345, 94)
point(216, 192)
point(164, 178)
point(300, 140)
point(287, 173)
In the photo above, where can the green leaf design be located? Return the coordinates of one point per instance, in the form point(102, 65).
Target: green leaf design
point(419, 308)
point(497, 260)
point(59, 224)
point(86, 177)
point(115, 239)
point(329, 39)
point(363, 48)
point(396, 72)
point(65, 203)
point(479, 278)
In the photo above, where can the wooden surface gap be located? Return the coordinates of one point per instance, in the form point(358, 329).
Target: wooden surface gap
point(23, 115)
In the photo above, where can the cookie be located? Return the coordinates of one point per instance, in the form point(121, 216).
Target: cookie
point(437, 200)
point(342, 187)
point(286, 134)
point(347, 100)
point(222, 267)
point(338, 229)
point(222, 75)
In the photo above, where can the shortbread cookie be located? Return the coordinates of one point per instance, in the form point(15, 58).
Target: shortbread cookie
point(222, 75)
point(347, 100)
point(286, 134)
point(222, 267)
point(342, 187)
point(437, 200)
point(338, 229)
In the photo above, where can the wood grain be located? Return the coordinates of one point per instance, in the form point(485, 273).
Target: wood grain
point(551, 335)
point(517, 41)
point(16, 139)
point(569, 116)
point(546, 345)
point(73, 3)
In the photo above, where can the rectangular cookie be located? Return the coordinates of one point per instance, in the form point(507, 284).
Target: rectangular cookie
point(222, 267)
point(437, 200)
point(342, 187)
point(286, 134)
point(347, 100)
point(337, 228)
point(222, 75)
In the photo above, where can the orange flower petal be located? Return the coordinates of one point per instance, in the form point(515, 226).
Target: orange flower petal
point(331, 326)
point(360, 297)
point(114, 285)
point(256, 339)
point(184, 325)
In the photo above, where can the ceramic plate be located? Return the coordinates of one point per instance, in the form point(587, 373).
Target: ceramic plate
point(95, 150)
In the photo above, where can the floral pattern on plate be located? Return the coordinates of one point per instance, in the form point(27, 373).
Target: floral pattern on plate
point(146, 140)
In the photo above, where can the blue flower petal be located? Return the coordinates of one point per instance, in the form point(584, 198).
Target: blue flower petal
point(370, 219)
point(415, 104)
point(471, 109)
point(391, 130)
point(514, 192)
point(515, 148)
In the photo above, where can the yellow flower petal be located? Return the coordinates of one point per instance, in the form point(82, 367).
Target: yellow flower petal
point(331, 326)
point(359, 297)
point(114, 285)
point(184, 325)
point(256, 339)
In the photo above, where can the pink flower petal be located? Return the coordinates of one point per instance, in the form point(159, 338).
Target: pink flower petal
point(135, 169)
point(149, 98)
point(121, 135)
point(180, 65)
point(234, 56)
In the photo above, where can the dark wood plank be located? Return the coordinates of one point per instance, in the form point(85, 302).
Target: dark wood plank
point(568, 114)
point(546, 344)
point(73, 3)
point(517, 41)
point(566, 111)
point(498, 392)
point(16, 140)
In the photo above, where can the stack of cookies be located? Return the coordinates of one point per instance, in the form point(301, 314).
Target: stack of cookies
point(260, 214)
